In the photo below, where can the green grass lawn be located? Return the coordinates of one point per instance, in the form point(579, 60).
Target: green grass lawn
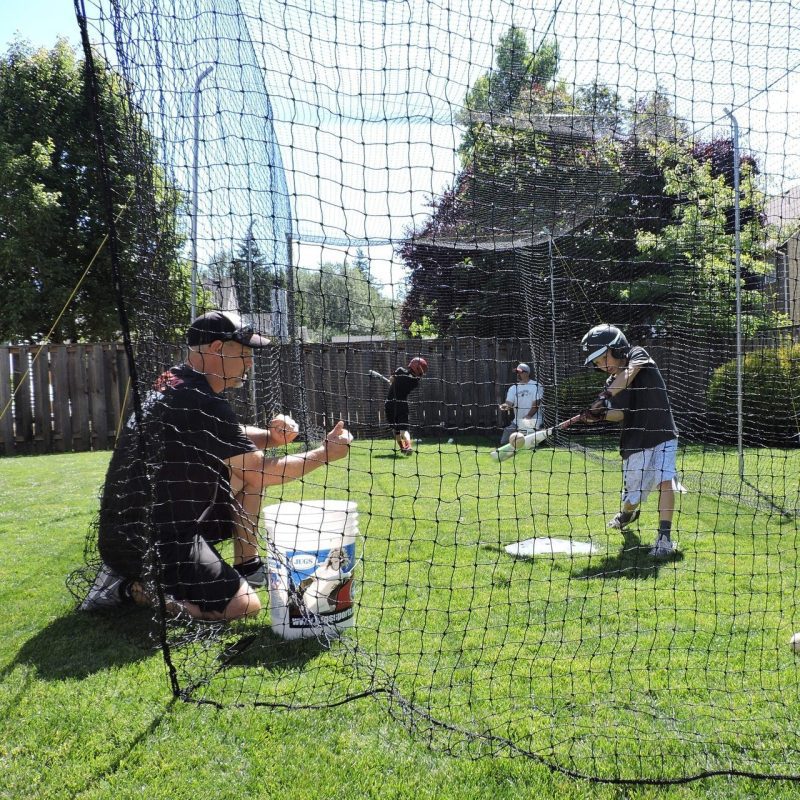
point(611, 664)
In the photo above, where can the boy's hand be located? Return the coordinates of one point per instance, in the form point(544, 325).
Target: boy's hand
point(592, 415)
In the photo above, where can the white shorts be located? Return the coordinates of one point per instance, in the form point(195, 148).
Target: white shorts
point(644, 471)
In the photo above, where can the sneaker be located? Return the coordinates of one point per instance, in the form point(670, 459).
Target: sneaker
point(617, 523)
point(663, 548)
point(258, 578)
point(105, 591)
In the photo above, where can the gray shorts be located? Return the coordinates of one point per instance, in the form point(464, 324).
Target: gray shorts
point(644, 471)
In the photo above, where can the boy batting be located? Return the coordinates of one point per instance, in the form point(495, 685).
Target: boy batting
point(635, 396)
point(402, 382)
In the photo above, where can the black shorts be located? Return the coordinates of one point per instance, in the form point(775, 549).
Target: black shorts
point(193, 570)
point(397, 414)
point(190, 566)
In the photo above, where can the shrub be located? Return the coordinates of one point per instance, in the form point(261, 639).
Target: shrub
point(770, 397)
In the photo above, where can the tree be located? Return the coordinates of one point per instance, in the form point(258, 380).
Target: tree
point(249, 267)
point(52, 206)
point(531, 151)
point(696, 248)
point(603, 104)
point(517, 85)
point(341, 300)
point(653, 118)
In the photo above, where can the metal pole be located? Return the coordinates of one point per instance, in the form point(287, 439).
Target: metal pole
point(553, 338)
point(252, 319)
point(196, 149)
point(738, 256)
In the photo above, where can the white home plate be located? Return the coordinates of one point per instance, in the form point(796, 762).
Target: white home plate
point(545, 546)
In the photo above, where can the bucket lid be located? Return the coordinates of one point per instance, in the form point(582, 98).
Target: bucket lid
point(310, 520)
point(289, 510)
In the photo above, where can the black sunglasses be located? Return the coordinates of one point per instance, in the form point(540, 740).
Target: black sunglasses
point(241, 335)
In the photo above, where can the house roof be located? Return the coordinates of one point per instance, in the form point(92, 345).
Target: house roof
point(784, 208)
point(528, 189)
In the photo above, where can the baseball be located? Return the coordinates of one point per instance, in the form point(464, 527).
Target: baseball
point(795, 642)
point(517, 440)
point(450, 441)
point(283, 422)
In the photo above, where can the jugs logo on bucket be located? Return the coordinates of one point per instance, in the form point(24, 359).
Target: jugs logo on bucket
point(304, 561)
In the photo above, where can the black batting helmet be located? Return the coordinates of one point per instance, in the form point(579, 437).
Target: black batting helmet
point(602, 338)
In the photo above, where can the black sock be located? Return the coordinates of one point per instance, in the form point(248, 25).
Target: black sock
point(124, 590)
point(248, 567)
point(664, 528)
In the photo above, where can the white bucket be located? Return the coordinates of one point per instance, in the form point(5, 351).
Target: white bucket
point(311, 559)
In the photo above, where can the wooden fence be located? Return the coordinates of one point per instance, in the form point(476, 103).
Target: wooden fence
point(467, 379)
point(61, 397)
point(72, 397)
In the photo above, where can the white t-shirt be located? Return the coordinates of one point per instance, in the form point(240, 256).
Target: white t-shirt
point(523, 396)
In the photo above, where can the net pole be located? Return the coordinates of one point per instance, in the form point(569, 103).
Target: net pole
point(252, 307)
point(553, 331)
point(737, 249)
point(195, 159)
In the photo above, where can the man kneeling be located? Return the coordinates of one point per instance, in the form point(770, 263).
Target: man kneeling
point(199, 481)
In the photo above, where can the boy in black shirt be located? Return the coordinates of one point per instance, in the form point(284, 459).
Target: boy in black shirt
point(635, 395)
point(403, 381)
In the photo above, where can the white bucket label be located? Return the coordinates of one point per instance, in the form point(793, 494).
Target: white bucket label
point(320, 584)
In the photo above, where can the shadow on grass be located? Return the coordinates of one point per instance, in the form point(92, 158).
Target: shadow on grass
point(268, 651)
point(80, 644)
point(770, 503)
point(633, 561)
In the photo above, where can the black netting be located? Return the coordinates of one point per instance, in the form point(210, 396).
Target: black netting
point(479, 186)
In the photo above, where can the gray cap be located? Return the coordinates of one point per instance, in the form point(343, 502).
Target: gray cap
point(522, 368)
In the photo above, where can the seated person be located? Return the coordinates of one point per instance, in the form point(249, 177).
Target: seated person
point(523, 399)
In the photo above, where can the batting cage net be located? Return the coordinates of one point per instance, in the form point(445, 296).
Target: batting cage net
point(502, 190)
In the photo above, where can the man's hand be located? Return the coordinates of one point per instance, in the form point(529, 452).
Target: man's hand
point(337, 442)
point(505, 407)
point(282, 430)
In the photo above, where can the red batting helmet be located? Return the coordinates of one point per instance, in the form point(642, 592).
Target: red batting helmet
point(418, 366)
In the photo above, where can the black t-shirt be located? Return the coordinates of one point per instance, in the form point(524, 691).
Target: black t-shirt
point(188, 431)
point(404, 383)
point(648, 417)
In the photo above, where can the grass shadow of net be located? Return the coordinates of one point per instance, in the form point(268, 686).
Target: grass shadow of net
point(78, 645)
point(266, 650)
point(767, 502)
point(632, 561)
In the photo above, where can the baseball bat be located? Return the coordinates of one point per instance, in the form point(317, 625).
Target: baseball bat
point(375, 374)
point(533, 439)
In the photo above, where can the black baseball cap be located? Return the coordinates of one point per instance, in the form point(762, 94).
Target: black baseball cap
point(225, 326)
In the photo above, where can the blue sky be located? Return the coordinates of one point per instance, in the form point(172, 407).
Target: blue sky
point(391, 155)
point(40, 21)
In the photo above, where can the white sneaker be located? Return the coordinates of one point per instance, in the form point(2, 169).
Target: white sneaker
point(663, 548)
point(105, 590)
point(617, 523)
